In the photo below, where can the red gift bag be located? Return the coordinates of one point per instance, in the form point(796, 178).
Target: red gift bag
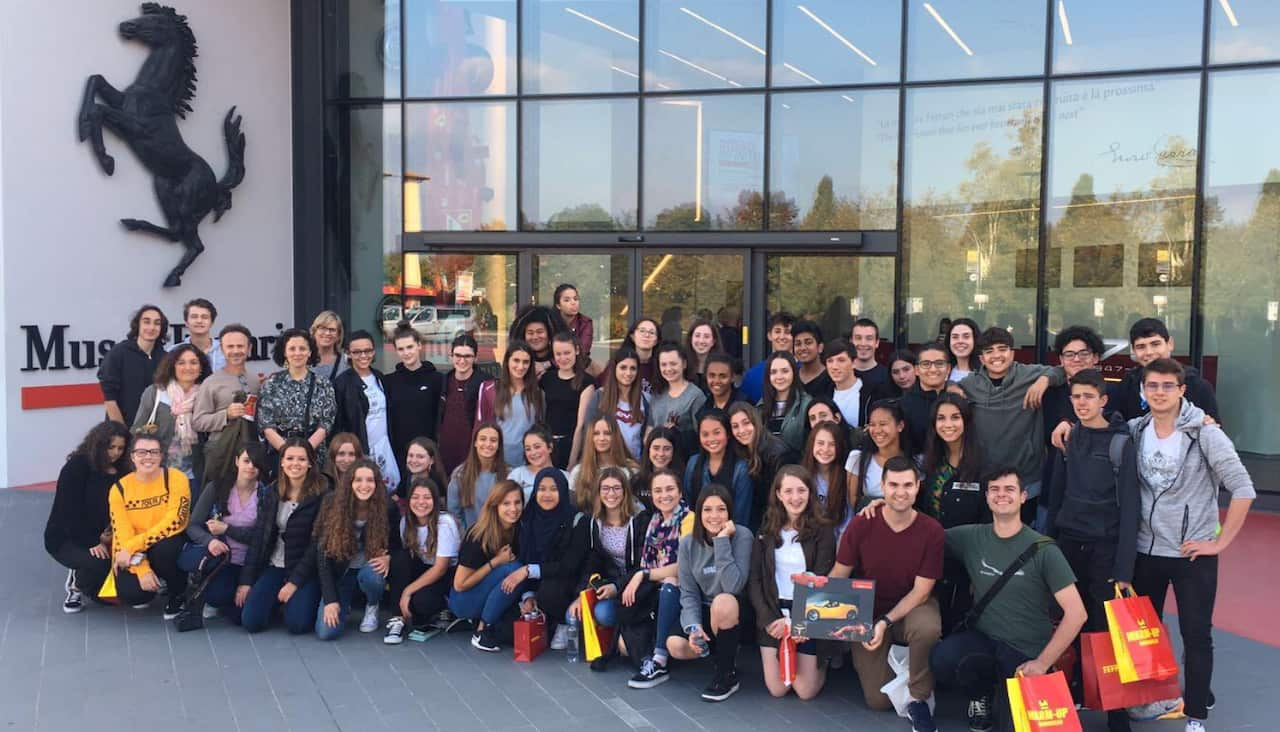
point(531, 638)
point(1042, 704)
point(787, 660)
point(1139, 640)
point(1103, 689)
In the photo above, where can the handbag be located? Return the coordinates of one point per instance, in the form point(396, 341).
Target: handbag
point(1042, 704)
point(1138, 639)
point(1103, 689)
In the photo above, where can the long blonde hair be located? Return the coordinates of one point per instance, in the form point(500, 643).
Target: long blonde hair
point(488, 529)
point(591, 464)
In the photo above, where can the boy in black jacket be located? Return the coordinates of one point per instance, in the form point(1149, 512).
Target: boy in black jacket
point(1094, 505)
point(1149, 339)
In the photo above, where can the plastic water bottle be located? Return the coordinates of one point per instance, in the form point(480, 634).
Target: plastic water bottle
point(571, 642)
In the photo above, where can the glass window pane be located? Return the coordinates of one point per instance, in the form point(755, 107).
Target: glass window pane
point(373, 198)
point(562, 193)
point(1137, 34)
point(832, 291)
point(461, 167)
point(366, 44)
point(704, 163)
point(836, 42)
point(971, 212)
point(834, 160)
point(1242, 246)
point(961, 39)
point(459, 48)
point(1244, 30)
point(676, 288)
point(1121, 216)
point(449, 294)
point(580, 46)
point(704, 44)
point(603, 285)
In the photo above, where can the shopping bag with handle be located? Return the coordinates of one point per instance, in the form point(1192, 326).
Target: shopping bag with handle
point(597, 640)
point(1042, 704)
point(530, 637)
point(1138, 639)
point(787, 660)
point(1103, 689)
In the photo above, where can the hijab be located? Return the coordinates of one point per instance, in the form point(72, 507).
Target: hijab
point(537, 525)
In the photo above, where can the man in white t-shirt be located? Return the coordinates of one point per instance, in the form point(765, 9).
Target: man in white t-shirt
point(839, 355)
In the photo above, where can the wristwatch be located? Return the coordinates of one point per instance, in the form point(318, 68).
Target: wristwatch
point(645, 574)
point(888, 623)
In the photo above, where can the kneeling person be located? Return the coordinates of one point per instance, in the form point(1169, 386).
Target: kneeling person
point(901, 549)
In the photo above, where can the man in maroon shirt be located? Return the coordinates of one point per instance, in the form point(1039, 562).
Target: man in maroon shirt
point(901, 549)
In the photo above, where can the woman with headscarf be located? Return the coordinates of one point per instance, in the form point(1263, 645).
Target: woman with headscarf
point(553, 546)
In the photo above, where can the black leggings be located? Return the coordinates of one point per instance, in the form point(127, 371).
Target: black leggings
point(90, 571)
point(163, 556)
point(426, 603)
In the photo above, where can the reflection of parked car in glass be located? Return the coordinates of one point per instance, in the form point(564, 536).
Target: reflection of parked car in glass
point(820, 608)
point(442, 324)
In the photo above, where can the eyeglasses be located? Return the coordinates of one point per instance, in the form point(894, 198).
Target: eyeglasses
point(939, 364)
point(610, 488)
point(1165, 386)
point(327, 329)
point(463, 356)
point(153, 452)
point(362, 352)
point(647, 332)
point(1080, 355)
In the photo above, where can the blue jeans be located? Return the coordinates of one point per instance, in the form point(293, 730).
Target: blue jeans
point(486, 600)
point(260, 606)
point(371, 585)
point(606, 613)
point(978, 664)
point(668, 616)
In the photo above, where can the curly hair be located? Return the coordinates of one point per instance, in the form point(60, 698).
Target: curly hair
point(166, 370)
point(135, 323)
point(277, 350)
point(335, 526)
point(97, 441)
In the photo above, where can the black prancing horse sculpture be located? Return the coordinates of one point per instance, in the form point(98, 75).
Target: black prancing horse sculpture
point(145, 116)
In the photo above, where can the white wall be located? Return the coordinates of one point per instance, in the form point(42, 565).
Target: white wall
point(64, 257)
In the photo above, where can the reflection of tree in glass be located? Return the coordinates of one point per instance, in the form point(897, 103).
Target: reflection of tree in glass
point(691, 283)
point(748, 215)
point(828, 212)
point(587, 217)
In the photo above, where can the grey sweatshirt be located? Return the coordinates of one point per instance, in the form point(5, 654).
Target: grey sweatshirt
point(707, 571)
point(1007, 433)
point(1188, 509)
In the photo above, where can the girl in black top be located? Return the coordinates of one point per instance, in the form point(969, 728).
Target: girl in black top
point(487, 557)
point(661, 450)
point(79, 520)
point(952, 491)
point(553, 546)
point(566, 391)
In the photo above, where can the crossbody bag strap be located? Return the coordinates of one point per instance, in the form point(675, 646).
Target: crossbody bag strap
point(311, 390)
point(972, 617)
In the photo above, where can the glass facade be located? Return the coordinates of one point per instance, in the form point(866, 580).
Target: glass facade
point(1030, 165)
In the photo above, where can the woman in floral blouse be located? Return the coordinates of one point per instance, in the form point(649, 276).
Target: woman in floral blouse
point(294, 402)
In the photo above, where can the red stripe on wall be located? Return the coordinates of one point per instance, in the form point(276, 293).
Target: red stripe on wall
point(62, 395)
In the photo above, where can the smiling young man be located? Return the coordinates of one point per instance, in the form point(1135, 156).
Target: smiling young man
point(1149, 340)
point(414, 388)
point(806, 344)
point(1010, 630)
point(364, 408)
point(127, 369)
point(850, 393)
point(199, 315)
point(932, 370)
point(901, 549)
point(779, 342)
point(1181, 464)
point(1006, 398)
point(865, 337)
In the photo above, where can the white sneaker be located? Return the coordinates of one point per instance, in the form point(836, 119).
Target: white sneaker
point(370, 621)
point(209, 612)
point(560, 640)
point(395, 632)
point(74, 601)
point(1195, 725)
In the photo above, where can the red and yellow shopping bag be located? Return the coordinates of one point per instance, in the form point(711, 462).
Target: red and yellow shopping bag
point(1139, 640)
point(1103, 689)
point(597, 640)
point(1042, 704)
point(530, 638)
point(787, 660)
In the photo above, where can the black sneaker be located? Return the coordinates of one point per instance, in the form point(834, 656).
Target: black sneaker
point(651, 674)
point(722, 687)
point(486, 640)
point(395, 632)
point(920, 716)
point(74, 602)
point(1213, 701)
point(980, 714)
point(173, 607)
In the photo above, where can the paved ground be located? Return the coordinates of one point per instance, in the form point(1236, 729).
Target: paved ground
point(109, 669)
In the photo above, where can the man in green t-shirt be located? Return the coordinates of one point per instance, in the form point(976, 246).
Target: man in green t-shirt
point(1014, 632)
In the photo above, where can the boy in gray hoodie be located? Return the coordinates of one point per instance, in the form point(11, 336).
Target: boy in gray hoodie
point(1181, 464)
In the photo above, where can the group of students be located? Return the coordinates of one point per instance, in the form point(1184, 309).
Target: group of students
point(684, 494)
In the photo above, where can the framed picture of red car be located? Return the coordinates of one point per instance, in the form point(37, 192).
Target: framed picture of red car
point(832, 608)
